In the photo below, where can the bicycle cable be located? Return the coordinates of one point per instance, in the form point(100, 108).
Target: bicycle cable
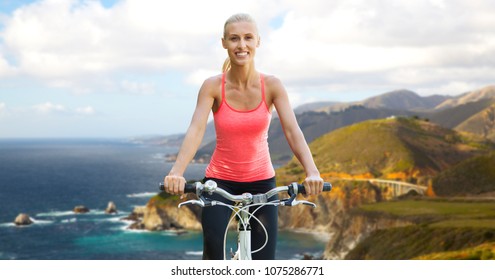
point(245, 208)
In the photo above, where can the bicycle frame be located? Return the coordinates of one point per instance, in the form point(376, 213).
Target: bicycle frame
point(244, 239)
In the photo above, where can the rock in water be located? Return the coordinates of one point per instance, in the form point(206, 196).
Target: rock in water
point(111, 208)
point(23, 220)
point(81, 209)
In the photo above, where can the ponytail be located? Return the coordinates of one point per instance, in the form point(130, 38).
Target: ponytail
point(226, 65)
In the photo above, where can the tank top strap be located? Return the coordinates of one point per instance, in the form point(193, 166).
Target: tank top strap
point(223, 87)
point(262, 80)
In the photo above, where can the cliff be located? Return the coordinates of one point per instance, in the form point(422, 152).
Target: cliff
point(353, 229)
point(161, 213)
point(335, 216)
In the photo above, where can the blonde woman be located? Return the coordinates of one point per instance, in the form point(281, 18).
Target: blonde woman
point(241, 100)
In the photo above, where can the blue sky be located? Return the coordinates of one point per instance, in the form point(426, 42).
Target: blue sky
point(123, 68)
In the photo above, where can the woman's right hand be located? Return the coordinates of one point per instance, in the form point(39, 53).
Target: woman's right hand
point(174, 184)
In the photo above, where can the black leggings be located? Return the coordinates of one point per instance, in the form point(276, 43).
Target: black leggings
point(215, 219)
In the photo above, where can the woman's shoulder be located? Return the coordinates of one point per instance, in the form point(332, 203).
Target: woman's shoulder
point(272, 83)
point(213, 80)
point(212, 85)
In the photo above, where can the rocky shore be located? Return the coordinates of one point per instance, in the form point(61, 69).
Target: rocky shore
point(24, 219)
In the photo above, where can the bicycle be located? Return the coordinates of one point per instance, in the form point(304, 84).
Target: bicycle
point(241, 209)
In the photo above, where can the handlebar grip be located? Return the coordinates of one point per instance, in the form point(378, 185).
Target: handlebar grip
point(189, 188)
point(326, 188)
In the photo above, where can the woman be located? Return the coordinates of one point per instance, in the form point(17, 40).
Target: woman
point(241, 100)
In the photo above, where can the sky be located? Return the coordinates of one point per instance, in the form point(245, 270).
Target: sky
point(125, 68)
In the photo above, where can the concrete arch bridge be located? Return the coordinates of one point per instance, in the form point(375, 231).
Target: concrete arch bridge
point(399, 188)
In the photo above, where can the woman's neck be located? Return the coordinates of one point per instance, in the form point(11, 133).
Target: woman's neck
point(242, 75)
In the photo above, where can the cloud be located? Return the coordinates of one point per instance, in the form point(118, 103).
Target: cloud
point(3, 108)
point(48, 108)
point(341, 44)
point(86, 41)
point(373, 44)
point(140, 88)
point(88, 110)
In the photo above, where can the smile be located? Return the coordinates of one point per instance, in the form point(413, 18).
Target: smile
point(241, 54)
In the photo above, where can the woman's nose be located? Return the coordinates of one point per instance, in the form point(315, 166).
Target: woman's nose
point(242, 43)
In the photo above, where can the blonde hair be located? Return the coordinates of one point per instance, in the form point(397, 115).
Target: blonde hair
point(240, 17)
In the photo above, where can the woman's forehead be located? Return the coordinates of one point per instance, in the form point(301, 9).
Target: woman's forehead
point(241, 27)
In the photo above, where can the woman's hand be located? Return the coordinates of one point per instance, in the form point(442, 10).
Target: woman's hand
point(174, 184)
point(313, 185)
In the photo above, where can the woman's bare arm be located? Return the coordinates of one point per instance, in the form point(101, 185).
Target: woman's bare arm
point(294, 135)
point(174, 182)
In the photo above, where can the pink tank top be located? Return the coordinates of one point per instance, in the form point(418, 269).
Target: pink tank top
point(241, 153)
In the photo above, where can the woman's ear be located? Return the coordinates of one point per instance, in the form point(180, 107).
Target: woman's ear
point(259, 42)
point(224, 45)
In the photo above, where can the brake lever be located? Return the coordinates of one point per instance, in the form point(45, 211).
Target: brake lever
point(193, 202)
point(294, 202)
point(304, 202)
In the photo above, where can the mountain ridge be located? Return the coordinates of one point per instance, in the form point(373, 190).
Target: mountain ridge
point(317, 119)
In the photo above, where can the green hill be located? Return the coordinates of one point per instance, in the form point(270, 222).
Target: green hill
point(414, 148)
point(440, 226)
point(473, 176)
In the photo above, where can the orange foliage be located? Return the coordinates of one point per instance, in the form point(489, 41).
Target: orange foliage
point(429, 191)
point(397, 176)
point(342, 175)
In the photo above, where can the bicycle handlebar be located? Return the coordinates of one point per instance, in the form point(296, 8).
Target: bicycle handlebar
point(211, 187)
point(191, 188)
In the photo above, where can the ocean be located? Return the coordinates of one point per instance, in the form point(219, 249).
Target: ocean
point(47, 178)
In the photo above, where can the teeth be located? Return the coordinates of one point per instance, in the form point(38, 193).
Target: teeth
point(241, 54)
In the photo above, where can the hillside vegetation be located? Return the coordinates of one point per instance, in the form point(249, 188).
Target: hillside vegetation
point(473, 176)
point(482, 252)
point(395, 148)
point(440, 226)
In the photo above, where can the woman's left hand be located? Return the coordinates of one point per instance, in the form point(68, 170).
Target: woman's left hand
point(313, 185)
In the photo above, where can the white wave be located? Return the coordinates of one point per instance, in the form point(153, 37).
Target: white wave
point(41, 222)
point(159, 156)
point(118, 219)
point(34, 222)
point(95, 212)
point(172, 232)
point(56, 214)
point(71, 220)
point(7, 225)
point(124, 226)
point(194, 253)
point(128, 230)
point(145, 194)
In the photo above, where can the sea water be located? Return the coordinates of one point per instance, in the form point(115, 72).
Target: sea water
point(48, 178)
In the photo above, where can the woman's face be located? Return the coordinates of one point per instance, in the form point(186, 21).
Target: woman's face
point(241, 40)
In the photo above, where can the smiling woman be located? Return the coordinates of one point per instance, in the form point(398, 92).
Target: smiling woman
point(241, 99)
point(248, 36)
